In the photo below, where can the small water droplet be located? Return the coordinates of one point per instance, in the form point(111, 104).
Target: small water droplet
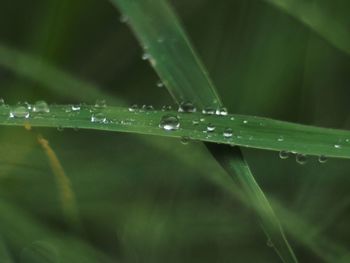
point(41, 107)
point(147, 107)
point(98, 118)
point(280, 139)
point(222, 111)
point(124, 18)
point(146, 56)
point(19, 112)
point(245, 121)
point(322, 159)
point(76, 107)
point(169, 123)
point(166, 108)
point(284, 155)
point(269, 243)
point(232, 118)
point(133, 108)
point(301, 158)
point(100, 104)
point(210, 127)
point(187, 107)
point(185, 140)
point(208, 111)
point(337, 146)
point(160, 84)
point(228, 133)
point(195, 122)
point(2, 102)
point(60, 128)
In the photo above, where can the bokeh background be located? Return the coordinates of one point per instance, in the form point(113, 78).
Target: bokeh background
point(139, 203)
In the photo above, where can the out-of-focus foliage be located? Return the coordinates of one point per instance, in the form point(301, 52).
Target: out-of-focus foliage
point(141, 203)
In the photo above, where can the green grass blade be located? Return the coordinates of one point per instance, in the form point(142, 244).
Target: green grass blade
point(317, 20)
point(44, 73)
point(169, 51)
point(243, 176)
point(260, 133)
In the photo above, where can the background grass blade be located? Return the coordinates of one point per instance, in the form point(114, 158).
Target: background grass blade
point(152, 20)
point(162, 37)
point(260, 133)
point(315, 18)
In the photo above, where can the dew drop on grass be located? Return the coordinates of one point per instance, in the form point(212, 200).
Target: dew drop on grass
point(210, 127)
point(100, 104)
point(301, 158)
point(195, 122)
point(41, 107)
point(169, 123)
point(322, 159)
point(2, 102)
point(98, 118)
point(269, 243)
point(166, 108)
point(284, 155)
point(147, 107)
point(280, 139)
point(228, 133)
point(76, 107)
point(160, 84)
point(133, 108)
point(146, 56)
point(60, 128)
point(187, 107)
point(185, 140)
point(222, 111)
point(208, 111)
point(20, 112)
point(337, 146)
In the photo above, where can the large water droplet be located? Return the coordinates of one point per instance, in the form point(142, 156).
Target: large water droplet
point(187, 107)
point(301, 158)
point(322, 159)
point(169, 123)
point(284, 155)
point(228, 133)
point(210, 127)
point(20, 112)
point(41, 107)
point(98, 117)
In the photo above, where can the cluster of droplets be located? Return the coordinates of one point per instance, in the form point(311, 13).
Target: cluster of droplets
point(301, 158)
point(24, 110)
point(97, 112)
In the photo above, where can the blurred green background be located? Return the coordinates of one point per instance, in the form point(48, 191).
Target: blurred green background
point(139, 203)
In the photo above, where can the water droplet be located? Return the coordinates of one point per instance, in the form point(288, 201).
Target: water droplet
point(269, 243)
point(210, 127)
point(100, 104)
point(185, 140)
point(169, 123)
point(98, 118)
point(222, 111)
point(187, 107)
point(146, 56)
point(202, 119)
point(124, 19)
point(232, 118)
point(208, 111)
point(133, 108)
point(322, 159)
point(20, 112)
point(60, 128)
point(41, 106)
point(245, 121)
point(166, 108)
point(76, 107)
point(284, 155)
point(2, 102)
point(301, 158)
point(337, 146)
point(160, 84)
point(280, 139)
point(147, 107)
point(195, 122)
point(228, 133)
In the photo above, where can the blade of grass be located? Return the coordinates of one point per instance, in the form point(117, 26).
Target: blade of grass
point(258, 133)
point(318, 21)
point(179, 68)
